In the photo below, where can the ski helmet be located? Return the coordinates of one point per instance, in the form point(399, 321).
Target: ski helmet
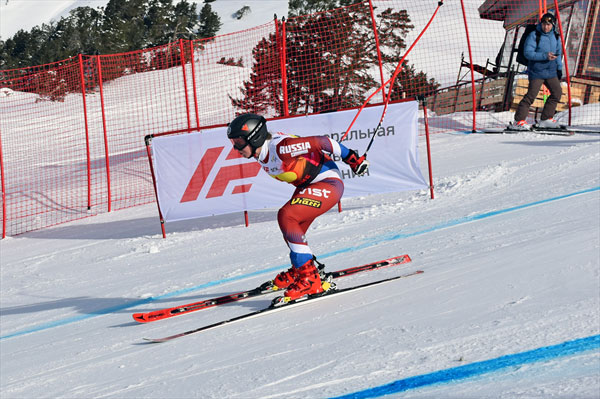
point(251, 127)
point(548, 17)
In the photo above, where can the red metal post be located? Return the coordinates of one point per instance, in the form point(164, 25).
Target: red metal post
point(194, 84)
point(565, 58)
point(107, 159)
point(424, 101)
point(87, 135)
point(3, 191)
point(185, 91)
point(462, 4)
point(378, 50)
point(286, 111)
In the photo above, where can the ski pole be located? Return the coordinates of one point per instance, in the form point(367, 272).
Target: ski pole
point(391, 83)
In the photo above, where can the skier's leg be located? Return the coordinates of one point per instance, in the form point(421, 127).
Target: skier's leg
point(296, 216)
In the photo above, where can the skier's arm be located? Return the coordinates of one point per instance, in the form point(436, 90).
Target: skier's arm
point(358, 164)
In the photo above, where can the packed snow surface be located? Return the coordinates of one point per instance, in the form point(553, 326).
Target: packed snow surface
point(507, 306)
point(510, 249)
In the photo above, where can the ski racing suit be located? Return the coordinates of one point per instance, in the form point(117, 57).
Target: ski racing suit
point(305, 163)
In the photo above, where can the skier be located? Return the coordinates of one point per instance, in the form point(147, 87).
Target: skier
point(305, 163)
point(543, 50)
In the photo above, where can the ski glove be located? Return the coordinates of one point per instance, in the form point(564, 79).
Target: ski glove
point(559, 73)
point(359, 165)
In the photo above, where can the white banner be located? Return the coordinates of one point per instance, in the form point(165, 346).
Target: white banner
point(200, 174)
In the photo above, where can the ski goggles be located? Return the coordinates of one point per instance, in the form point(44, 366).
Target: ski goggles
point(548, 20)
point(239, 143)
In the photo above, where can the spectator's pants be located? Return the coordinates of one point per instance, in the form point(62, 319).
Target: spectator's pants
point(553, 84)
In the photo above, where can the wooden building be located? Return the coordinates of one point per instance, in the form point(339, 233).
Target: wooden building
point(580, 21)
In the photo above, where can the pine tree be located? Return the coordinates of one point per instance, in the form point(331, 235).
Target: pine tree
point(298, 8)
point(120, 27)
point(185, 18)
point(262, 93)
point(124, 27)
point(208, 21)
point(79, 32)
point(159, 22)
point(393, 27)
point(18, 50)
point(86, 30)
point(331, 60)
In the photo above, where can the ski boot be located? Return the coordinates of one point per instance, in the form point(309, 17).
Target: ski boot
point(548, 124)
point(307, 282)
point(285, 278)
point(520, 126)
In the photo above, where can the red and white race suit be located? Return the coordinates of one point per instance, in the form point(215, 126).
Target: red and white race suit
point(304, 162)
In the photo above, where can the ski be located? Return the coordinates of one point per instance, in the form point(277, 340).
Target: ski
point(554, 132)
point(583, 129)
point(272, 308)
point(263, 289)
point(564, 130)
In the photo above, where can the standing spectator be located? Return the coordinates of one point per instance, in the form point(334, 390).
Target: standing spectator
point(543, 50)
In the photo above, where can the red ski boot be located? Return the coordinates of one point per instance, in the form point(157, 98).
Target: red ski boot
point(285, 278)
point(307, 282)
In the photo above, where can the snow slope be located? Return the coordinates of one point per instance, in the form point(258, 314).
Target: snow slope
point(508, 305)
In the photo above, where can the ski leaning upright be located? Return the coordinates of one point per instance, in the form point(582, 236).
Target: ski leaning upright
point(272, 308)
point(263, 289)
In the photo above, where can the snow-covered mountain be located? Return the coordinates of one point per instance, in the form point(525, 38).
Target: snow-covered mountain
point(25, 14)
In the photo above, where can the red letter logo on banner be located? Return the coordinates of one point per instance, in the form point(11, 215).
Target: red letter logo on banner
point(225, 175)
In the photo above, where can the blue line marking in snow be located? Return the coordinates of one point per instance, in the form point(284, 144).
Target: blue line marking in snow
point(367, 244)
point(455, 222)
point(457, 374)
point(128, 305)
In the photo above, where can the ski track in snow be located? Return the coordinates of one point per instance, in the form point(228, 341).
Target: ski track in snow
point(504, 284)
point(513, 281)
